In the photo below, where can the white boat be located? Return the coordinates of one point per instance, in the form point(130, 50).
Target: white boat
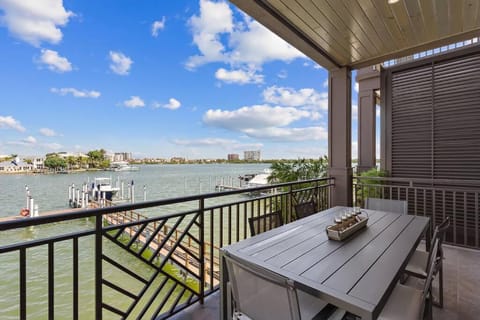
point(122, 166)
point(103, 188)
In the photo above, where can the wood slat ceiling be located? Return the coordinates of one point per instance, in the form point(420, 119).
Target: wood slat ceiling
point(359, 33)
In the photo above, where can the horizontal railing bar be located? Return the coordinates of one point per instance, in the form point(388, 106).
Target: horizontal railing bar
point(60, 217)
point(266, 197)
point(423, 180)
point(41, 242)
point(415, 187)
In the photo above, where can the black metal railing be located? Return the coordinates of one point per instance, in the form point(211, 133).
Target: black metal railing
point(146, 260)
point(437, 199)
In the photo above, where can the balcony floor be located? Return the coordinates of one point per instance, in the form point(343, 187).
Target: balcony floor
point(461, 290)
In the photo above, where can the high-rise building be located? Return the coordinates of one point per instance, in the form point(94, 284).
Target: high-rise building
point(122, 156)
point(251, 155)
point(233, 157)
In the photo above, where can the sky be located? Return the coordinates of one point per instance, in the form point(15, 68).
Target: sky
point(194, 79)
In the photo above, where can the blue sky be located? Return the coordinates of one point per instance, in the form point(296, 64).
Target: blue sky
point(196, 79)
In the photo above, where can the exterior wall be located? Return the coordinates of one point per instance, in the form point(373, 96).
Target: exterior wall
point(233, 157)
point(252, 155)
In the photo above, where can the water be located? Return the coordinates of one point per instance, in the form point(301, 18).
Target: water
point(162, 181)
point(51, 193)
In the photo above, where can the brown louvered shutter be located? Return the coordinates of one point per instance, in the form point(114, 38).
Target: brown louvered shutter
point(456, 135)
point(435, 119)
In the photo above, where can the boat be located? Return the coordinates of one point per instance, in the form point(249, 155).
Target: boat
point(103, 188)
point(119, 166)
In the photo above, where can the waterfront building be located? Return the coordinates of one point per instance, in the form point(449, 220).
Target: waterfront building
point(122, 156)
point(251, 155)
point(233, 157)
point(16, 165)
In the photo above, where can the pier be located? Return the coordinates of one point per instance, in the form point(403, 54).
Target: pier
point(183, 257)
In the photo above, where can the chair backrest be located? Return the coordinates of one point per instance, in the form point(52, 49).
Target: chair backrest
point(265, 222)
point(439, 233)
point(396, 206)
point(261, 294)
point(431, 268)
point(305, 209)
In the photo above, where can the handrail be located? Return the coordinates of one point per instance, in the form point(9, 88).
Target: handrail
point(423, 180)
point(61, 217)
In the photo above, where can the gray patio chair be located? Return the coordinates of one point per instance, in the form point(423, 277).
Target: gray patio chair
point(408, 303)
point(305, 209)
point(265, 222)
point(260, 294)
point(396, 206)
point(417, 265)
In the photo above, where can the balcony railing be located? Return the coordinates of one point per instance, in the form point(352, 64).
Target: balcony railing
point(145, 260)
point(437, 199)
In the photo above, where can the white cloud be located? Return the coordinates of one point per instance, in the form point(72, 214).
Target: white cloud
point(35, 21)
point(120, 63)
point(48, 132)
point(245, 42)
point(257, 45)
point(53, 146)
point(238, 76)
point(325, 83)
point(134, 102)
point(283, 74)
point(29, 140)
point(289, 134)
point(172, 104)
point(10, 122)
point(158, 25)
point(76, 93)
point(54, 61)
point(254, 117)
point(289, 97)
point(354, 111)
point(355, 86)
point(217, 142)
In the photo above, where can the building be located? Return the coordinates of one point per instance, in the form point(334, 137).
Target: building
point(251, 155)
point(122, 156)
point(233, 157)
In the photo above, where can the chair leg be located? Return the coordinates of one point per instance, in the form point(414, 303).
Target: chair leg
point(440, 286)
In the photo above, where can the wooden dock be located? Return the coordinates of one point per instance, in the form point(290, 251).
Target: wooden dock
point(183, 258)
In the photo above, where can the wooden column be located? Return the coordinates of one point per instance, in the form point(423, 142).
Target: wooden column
point(339, 135)
point(368, 81)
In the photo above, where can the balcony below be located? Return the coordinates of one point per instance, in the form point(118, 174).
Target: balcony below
point(461, 290)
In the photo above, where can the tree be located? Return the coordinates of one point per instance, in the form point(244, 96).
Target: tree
point(96, 159)
point(301, 169)
point(55, 162)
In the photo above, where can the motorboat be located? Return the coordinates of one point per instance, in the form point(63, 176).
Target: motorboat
point(122, 166)
point(103, 188)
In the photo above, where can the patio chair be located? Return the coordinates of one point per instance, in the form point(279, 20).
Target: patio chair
point(305, 209)
point(417, 266)
point(411, 303)
point(396, 206)
point(260, 294)
point(265, 222)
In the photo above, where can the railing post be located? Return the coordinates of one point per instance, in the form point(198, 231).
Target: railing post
point(289, 204)
point(98, 266)
point(201, 206)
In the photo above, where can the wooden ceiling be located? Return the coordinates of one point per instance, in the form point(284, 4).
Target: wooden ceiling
point(359, 33)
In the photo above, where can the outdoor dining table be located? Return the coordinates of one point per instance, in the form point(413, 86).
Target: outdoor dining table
point(356, 274)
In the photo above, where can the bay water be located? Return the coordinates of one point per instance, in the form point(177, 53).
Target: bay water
point(50, 192)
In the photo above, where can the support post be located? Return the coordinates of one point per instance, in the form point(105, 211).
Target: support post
point(340, 135)
point(368, 82)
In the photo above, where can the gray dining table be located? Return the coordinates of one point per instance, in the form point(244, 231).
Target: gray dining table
point(356, 274)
